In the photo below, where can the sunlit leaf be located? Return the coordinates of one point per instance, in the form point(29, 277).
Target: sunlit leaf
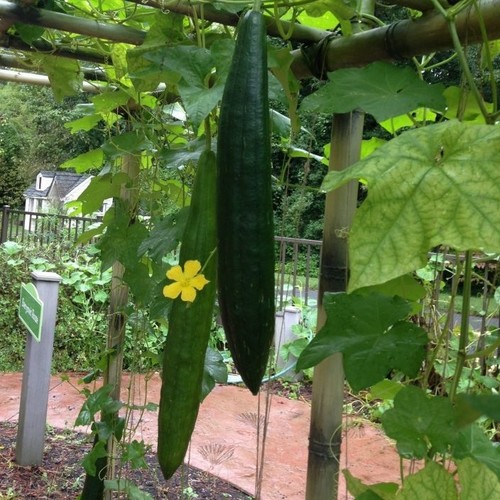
point(477, 480)
point(85, 161)
point(380, 89)
point(433, 481)
point(370, 333)
point(64, 74)
point(465, 106)
point(418, 422)
point(431, 186)
point(408, 120)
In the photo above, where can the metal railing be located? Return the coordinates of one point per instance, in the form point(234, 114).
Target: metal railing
point(297, 260)
point(42, 229)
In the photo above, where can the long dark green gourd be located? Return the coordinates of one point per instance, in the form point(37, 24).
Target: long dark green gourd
point(189, 327)
point(245, 236)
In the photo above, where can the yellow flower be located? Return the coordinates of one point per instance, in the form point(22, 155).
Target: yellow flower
point(185, 282)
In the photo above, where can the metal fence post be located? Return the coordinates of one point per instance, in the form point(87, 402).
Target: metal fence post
point(5, 223)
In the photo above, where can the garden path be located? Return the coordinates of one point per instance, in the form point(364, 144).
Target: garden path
point(224, 440)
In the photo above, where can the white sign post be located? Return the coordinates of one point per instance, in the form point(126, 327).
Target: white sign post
point(38, 312)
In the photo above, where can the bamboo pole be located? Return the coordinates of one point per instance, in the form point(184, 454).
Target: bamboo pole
point(94, 485)
point(402, 39)
point(328, 382)
point(405, 39)
point(18, 13)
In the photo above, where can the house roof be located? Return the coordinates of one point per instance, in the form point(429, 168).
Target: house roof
point(62, 184)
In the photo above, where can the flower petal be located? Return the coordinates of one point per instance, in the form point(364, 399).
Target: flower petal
point(198, 281)
point(173, 290)
point(188, 294)
point(175, 273)
point(191, 268)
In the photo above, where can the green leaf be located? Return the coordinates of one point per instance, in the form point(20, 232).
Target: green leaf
point(408, 120)
point(93, 404)
point(64, 74)
point(132, 491)
point(85, 123)
point(28, 32)
point(370, 333)
point(165, 235)
point(381, 89)
point(141, 285)
point(431, 186)
point(457, 104)
point(134, 453)
point(121, 240)
point(384, 491)
point(110, 101)
point(341, 9)
point(101, 188)
point(477, 481)
point(385, 390)
point(215, 371)
point(89, 462)
point(85, 161)
point(473, 406)
point(473, 443)
point(433, 481)
point(128, 142)
point(418, 422)
point(199, 93)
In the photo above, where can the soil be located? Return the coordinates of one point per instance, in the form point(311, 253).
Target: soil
point(62, 475)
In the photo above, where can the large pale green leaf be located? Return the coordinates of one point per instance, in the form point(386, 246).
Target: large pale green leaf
point(418, 422)
point(370, 332)
point(65, 76)
point(473, 443)
point(431, 186)
point(432, 482)
point(381, 89)
point(85, 161)
point(477, 481)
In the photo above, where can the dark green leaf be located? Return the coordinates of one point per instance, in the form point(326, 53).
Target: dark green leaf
point(101, 188)
point(89, 462)
point(369, 331)
point(381, 89)
point(472, 406)
point(134, 453)
point(418, 422)
point(93, 404)
point(165, 236)
point(215, 371)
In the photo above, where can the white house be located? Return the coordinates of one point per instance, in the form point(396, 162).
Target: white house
point(51, 190)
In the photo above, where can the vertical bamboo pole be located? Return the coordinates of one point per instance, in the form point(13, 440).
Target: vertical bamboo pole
point(328, 383)
point(93, 488)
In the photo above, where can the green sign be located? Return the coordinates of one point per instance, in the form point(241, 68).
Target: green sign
point(31, 310)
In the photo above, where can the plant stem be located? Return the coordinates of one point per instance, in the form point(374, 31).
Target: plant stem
point(464, 325)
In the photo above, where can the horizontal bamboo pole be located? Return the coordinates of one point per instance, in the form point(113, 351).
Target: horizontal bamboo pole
point(7, 75)
point(56, 20)
point(404, 39)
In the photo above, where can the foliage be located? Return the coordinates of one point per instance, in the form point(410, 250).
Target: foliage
point(82, 309)
point(434, 183)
